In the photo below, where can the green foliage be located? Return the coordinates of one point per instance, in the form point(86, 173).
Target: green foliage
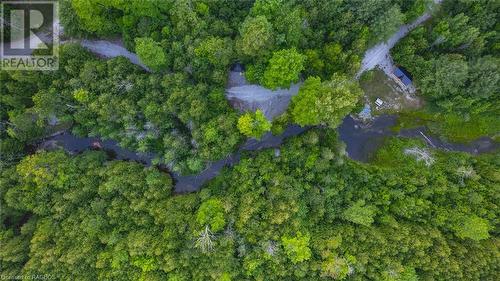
point(446, 79)
point(452, 32)
point(24, 127)
point(473, 227)
point(416, 9)
point(454, 84)
point(277, 218)
point(254, 124)
point(335, 267)
point(217, 51)
point(359, 213)
point(11, 150)
point(309, 213)
point(81, 96)
point(151, 53)
point(451, 59)
point(325, 102)
point(186, 123)
point(388, 23)
point(256, 36)
point(255, 72)
point(211, 213)
point(391, 154)
point(454, 127)
point(280, 123)
point(283, 69)
point(297, 247)
point(401, 274)
point(102, 207)
point(304, 110)
point(212, 59)
point(94, 18)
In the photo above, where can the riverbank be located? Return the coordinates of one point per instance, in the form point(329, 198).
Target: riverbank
point(362, 141)
point(451, 126)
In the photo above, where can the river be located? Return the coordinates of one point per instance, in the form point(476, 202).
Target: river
point(361, 140)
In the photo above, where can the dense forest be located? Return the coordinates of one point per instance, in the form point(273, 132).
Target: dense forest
point(305, 211)
point(309, 214)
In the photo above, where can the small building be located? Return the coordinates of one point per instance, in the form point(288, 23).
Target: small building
point(379, 102)
point(402, 76)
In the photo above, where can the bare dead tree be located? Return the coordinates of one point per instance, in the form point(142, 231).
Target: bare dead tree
point(205, 241)
point(465, 172)
point(421, 154)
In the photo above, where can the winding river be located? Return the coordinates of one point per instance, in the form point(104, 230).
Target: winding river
point(362, 141)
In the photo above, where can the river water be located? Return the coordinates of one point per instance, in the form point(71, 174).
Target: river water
point(362, 141)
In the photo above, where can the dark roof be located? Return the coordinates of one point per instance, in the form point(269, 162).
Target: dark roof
point(402, 75)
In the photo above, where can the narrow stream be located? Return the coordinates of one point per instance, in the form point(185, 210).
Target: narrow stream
point(361, 141)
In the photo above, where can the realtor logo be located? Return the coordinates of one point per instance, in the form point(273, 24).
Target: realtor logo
point(29, 35)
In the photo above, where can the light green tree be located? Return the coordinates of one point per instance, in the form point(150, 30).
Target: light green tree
point(325, 102)
point(473, 227)
point(150, 53)
point(211, 212)
point(283, 69)
point(359, 213)
point(297, 248)
point(92, 15)
point(254, 124)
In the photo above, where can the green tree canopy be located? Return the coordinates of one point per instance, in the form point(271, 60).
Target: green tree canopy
point(283, 69)
point(473, 227)
point(256, 36)
point(211, 212)
point(359, 213)
point(254, 124)
point(325, 102)
point(297, 247)
point(445, 79)
point(150, 53)
point(387, 23)
point(453, 32)
point(217, 51)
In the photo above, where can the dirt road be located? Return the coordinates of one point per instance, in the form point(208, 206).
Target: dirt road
point(380, 53)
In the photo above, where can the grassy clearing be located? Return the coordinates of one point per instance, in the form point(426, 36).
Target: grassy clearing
point(453, 127)
point(391, 154)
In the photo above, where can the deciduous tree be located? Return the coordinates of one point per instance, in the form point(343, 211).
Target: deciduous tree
point(325, 102)
point(283, 69)
point(151, 53)
point(254, 124)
